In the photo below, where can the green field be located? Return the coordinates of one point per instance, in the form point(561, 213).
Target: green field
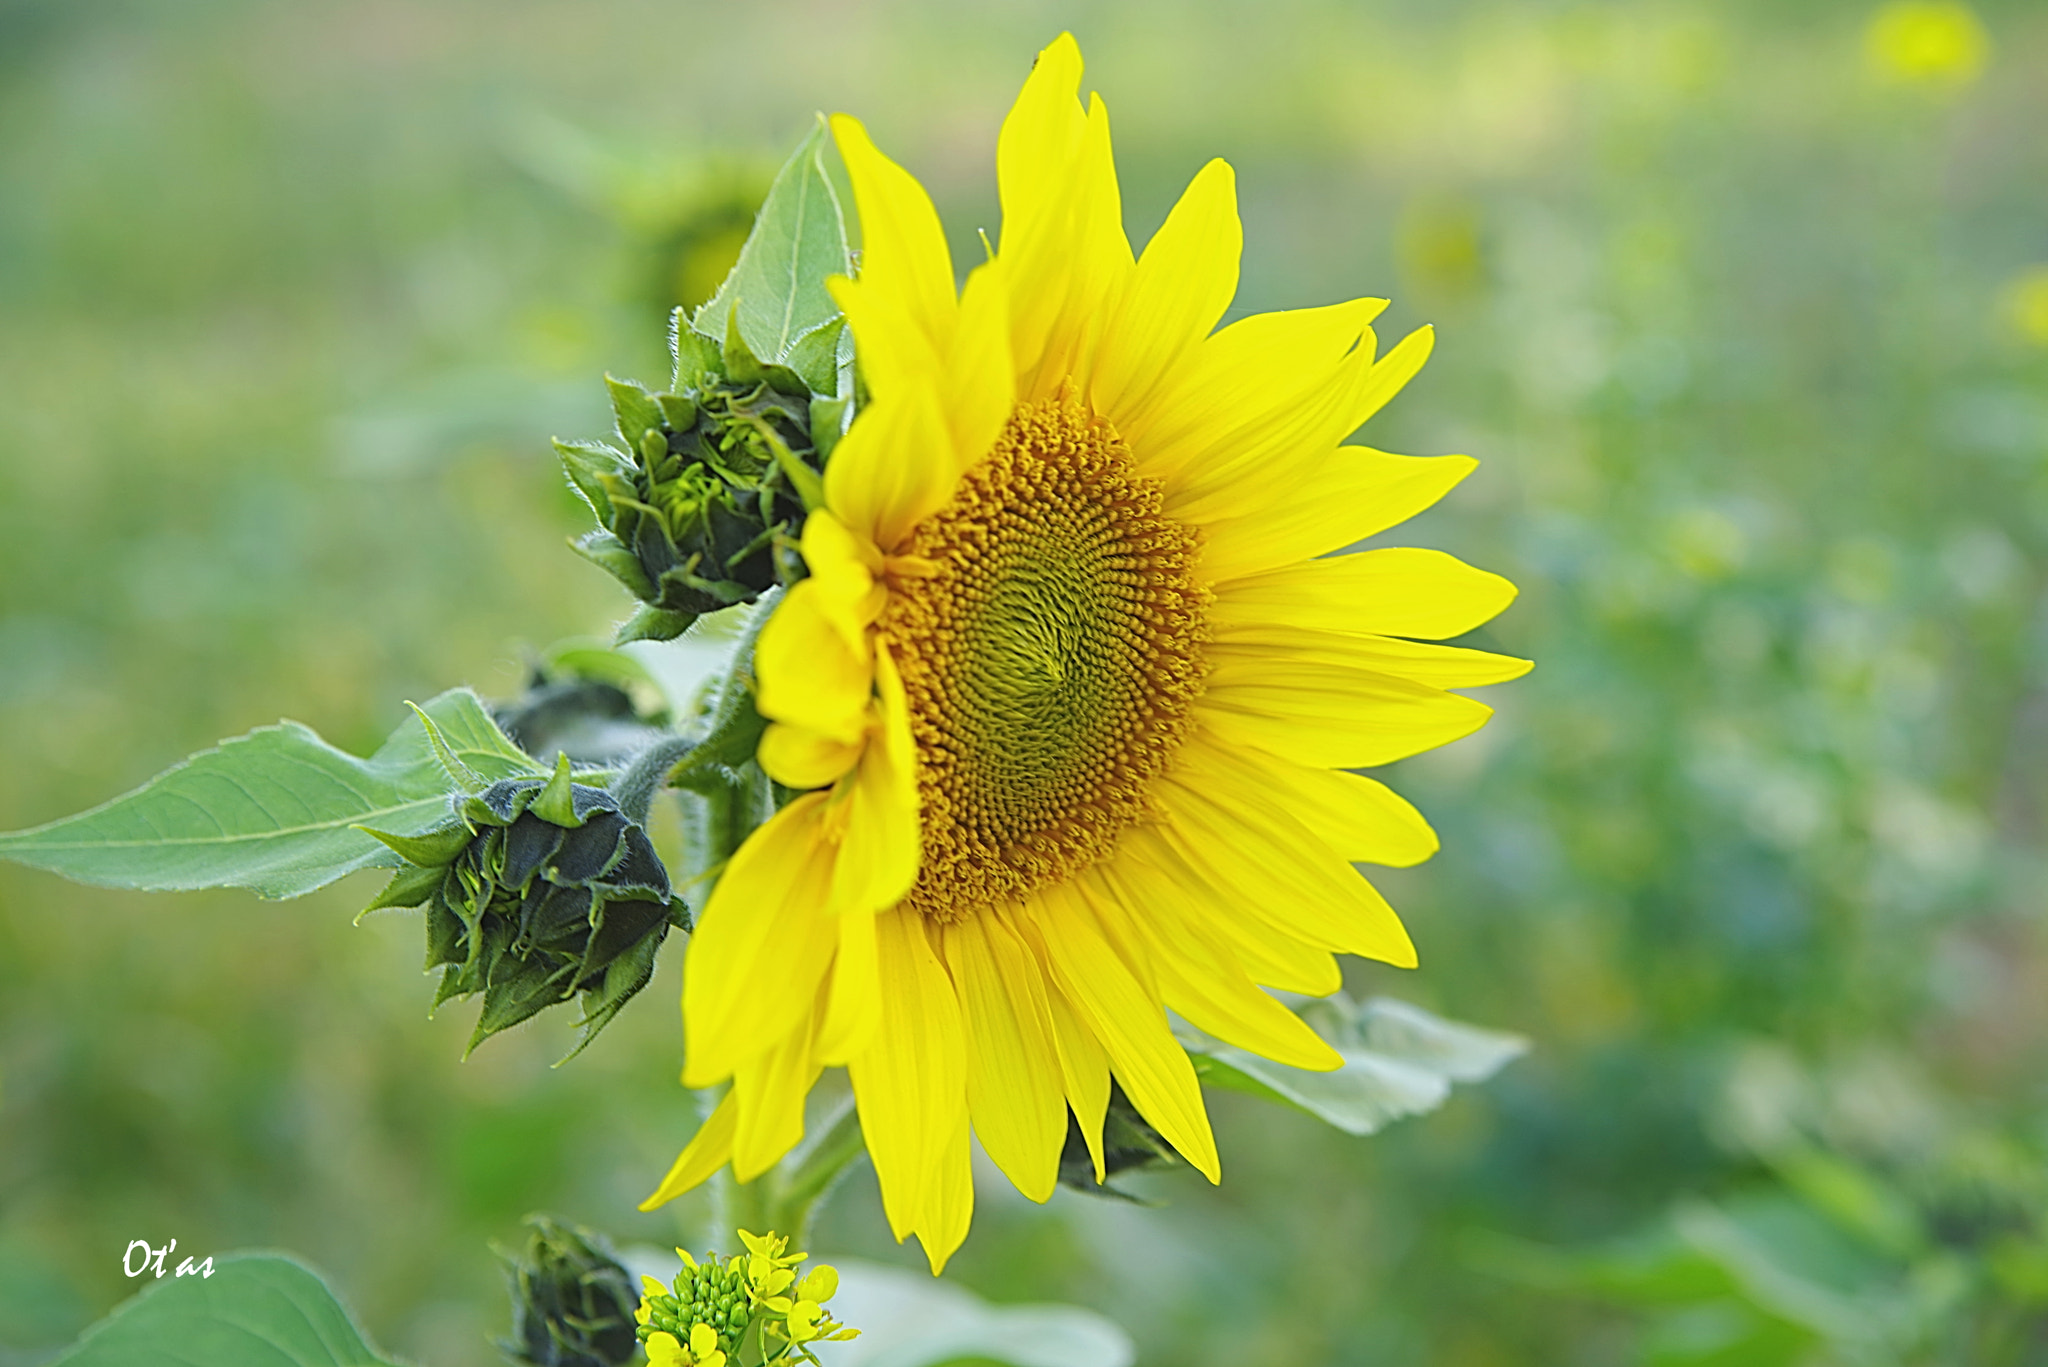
point(1744, 313)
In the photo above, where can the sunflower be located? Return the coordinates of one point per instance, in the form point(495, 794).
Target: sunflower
point(1070, 695)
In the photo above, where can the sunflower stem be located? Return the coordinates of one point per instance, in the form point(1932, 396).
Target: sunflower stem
point(648, 774)
point(817, 1172)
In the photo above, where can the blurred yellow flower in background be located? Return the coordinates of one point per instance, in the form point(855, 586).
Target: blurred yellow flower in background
point(2025, 301)
point(1070, 690)
point(1927, 43)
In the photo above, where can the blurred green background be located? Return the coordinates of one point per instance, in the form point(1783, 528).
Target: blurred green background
point(1744, 306)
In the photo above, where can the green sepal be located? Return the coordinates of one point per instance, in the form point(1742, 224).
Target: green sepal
point(650, 623)
point(410, 887)
point(815, 356)
point(828, 425)
point(695, 355)
point(678, 411)
point(589, 464)
point(809, 485)
point(460, 774)
point(555, 804)
point(634, 408)
point(611, 555)
point(430, 849)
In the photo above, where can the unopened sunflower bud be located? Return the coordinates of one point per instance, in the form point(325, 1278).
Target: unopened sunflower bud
point(572, 1301)
point(702, 508)
point(537, 890)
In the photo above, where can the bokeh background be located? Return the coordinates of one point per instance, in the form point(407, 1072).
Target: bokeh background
point(1744, 306)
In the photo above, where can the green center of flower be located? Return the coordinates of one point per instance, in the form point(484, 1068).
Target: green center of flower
point(1051, 662)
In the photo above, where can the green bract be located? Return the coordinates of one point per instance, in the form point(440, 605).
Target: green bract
point(535, 891)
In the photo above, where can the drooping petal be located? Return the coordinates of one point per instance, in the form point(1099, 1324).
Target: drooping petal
point(949, 1203)
point(1084, 1067)
point(705, 1154)
point(766, 922)
point(1151, 1065)
point(770, 1088)
point(1014, 1091)
point(1399, 591)
point(854, 1001)
point(911, 1081)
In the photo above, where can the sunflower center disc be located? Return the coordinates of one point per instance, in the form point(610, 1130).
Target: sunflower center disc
point(1050, 664)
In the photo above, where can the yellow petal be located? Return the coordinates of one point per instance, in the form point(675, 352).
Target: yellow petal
point(854, 1007)
point(1014, 1092)
point(1390, 373)
point(1276, 448)
point(894, 468)
point(1200, 980)
point(1326, 716)
point(771, 1088)
point(910, 1084)
point(981, 378)
point(703, 1340)
point(1244, 380)
point(878, 833)
point(1038, 143)
point(1065, 277)
point(1176, 893)
point(705, 1154)
point(1084, 1067)
point(1399, 591)
point(1151, 1065)
point(1279, 872)
point(799, 758)
point(811, 675)
point(1358, 817)
point(1355, 494)
point(1437, 666)
point(949, 1203)
point(1180, 288)
point(903, 254)
point(766, 922)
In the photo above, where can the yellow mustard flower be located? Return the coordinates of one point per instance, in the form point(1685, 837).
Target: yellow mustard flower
point(1069, 690)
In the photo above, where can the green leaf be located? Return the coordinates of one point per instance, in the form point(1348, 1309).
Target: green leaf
point(1399, 1060)
point(776, 292)
point(274, 811)
point(256, 1310)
